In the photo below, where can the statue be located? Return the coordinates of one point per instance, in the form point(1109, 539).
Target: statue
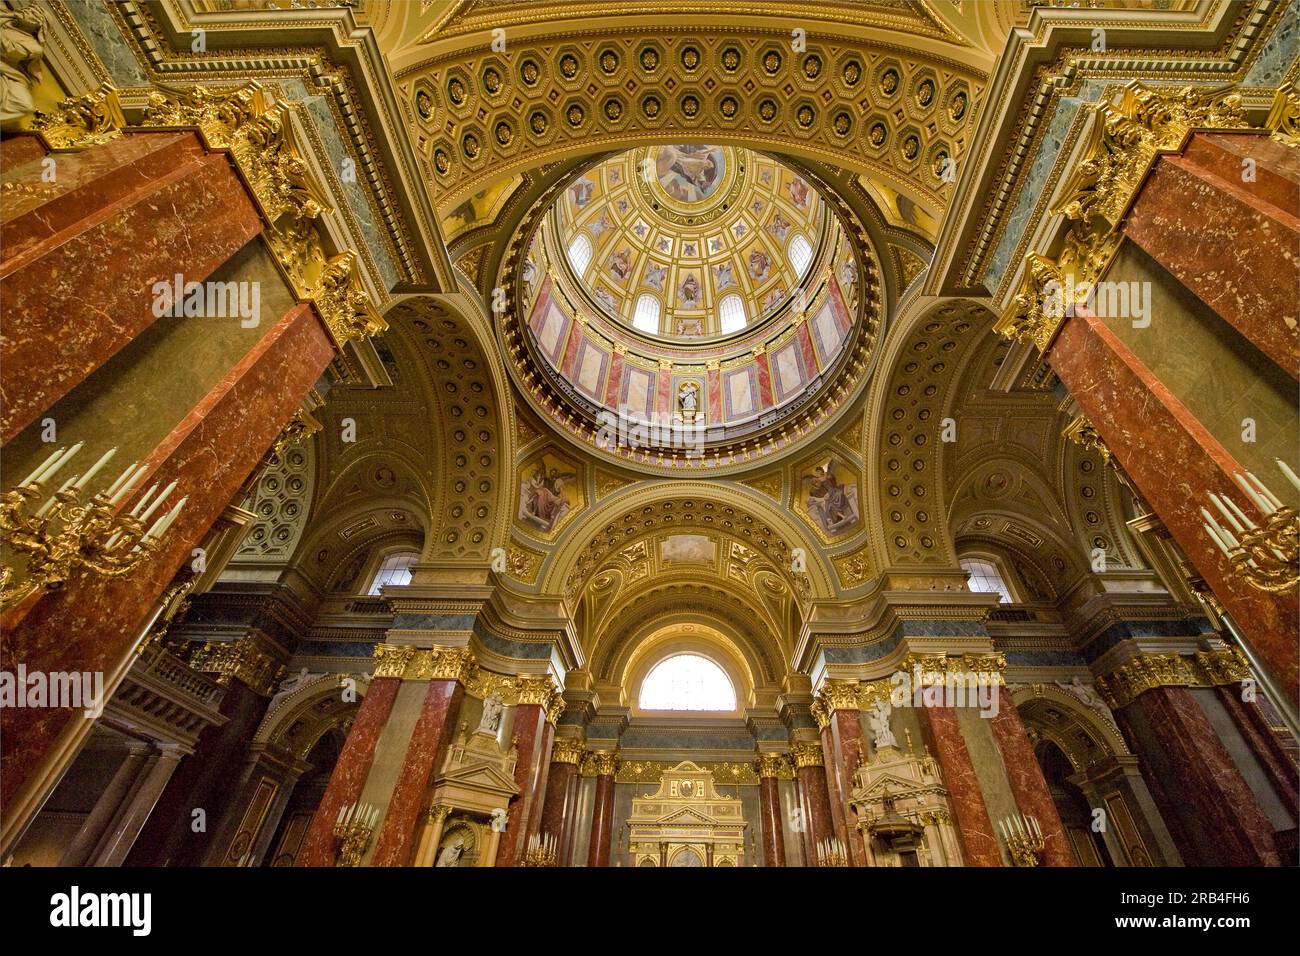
point(22, 34)
point(688, 401)
point(878, 718)
point(490, 722)
point(451, 853)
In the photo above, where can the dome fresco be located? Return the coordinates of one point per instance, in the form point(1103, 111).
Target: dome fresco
point(690, 285)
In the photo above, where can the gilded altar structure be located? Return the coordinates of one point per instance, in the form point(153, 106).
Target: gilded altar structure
point(686, 822)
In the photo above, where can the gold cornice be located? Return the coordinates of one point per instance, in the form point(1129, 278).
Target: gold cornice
point(242, 660)
point(1145, 672)
point(652, 771)
point(82, 121)
point(438, 663)
point(807, 755)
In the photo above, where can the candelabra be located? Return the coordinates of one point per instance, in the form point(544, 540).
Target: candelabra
point(65, 535)
point(832, 852)
point(1267, 555)
point(353, 829)
point(1023, 838)
point(541, 851)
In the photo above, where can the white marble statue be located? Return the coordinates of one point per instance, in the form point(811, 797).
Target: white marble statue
point(493, 708)
point(878, 718)
point(451, 854)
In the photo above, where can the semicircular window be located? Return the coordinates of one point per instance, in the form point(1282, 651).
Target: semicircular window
point(687, 682)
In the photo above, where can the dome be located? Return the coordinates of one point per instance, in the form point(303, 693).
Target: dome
point(688, 297)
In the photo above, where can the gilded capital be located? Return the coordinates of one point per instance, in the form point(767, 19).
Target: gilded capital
point(603, 763)
point(807, 755)
point(242, 660)
point(83, 121)
point(567, 750)
point(839, 695)
point(1145, 672)
point(772, 765)
point(391, 659)
point(540, 691)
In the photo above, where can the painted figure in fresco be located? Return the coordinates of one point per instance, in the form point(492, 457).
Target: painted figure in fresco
point(800, 194)
point(759, 265)
point(620, 264)
point(689, 173)
point(779, 227)
point(689, 292)
point(832, 505)
point(581, 191)
point(541, 497)
point(655, 275)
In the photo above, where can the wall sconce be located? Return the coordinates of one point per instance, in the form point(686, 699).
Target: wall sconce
point(1023, 838)
point(353, 829)
point(64, 536)
point(1267, 555)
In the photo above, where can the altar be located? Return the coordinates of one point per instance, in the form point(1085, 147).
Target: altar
point(686, 822)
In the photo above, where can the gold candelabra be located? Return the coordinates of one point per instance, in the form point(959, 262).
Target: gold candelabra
point(353, 829)
point(832, 852)
point(541, 850)
point(66, 535)
point(1023, 838)
point(1267, 555)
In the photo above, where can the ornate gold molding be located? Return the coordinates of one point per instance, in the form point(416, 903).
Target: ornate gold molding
point(1145, 672)
point(773, 765)
point(436, 663)
point(600, 763)
point(807, 755)
point(1124, 142)
point(651, 771)
point(1284, 117)
point(1081, 432)
point(568, 750)
point(836, 695)
point(243, 660)
point(299, 428)
point(82, 121)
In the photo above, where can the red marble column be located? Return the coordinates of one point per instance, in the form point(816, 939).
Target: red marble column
point(769, 798)
point(1245, 267)
point(846, 732)
point(818, 822)
point(1167, 728)
point(557, 806)
point(429, 739)
point(979, 845)
point(1028, 784)
point(209, 453)
point(602, 815)
point(1263, 742)
point(540, 780)
point(530, 736)
point(141, 209)
point(1175, 462)
point(834, 791)
point(350, 772)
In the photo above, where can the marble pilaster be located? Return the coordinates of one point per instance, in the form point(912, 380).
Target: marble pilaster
point(1028, 784)
point(979, 845)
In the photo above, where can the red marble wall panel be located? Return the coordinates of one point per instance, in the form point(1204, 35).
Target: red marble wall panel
point(602, 821)
point(769, 796)
point(210, 453)
point(1245, 267)
point(1028, 784)
point(614, 381)
point(1175, 462)
point(19, 149)
point(979, 845)
point(715, 411)
point(764, 381)
point(141, 209)
point(1168, 729)
point(350, 772)
point(429, 739)
point(530, 732)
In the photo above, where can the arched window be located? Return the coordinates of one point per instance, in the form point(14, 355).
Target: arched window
point(646, 317)
point(800, 254)
point(985, 577)
point(687, 682)
point(731, 311)
point(394, 569)
point(580, 254)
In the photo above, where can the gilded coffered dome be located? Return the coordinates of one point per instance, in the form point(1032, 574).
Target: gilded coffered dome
point(683, 298)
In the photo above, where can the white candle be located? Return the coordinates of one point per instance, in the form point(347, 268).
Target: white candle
point(1232, 519)
point(1215, 537)
point(171, 515)
point(144, 500)
point(1264, 493)
point(1241, 515)
point(121, 480)
point(91, 472)
point(50, 504)
point(1290, 475)
point(128, 486)
point(158, 501)
point(340, 819)
point(62, 460)
point(31, 479)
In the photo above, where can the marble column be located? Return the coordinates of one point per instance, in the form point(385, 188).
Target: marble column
point(943, 733)
point(1264, 743)
point(1175, 463)
point(142, 208)
point(532, 741)
point(817, 821)
point(602, 815)
point(1244, 268)
point(209, 454)
point(433, 732)
point(842, 739)
point(350, 772)
point(435, 818)
point(558, 806)
point(1033, 797)
point(541, 780)
point(769, 798)
point(832, 774)
point(117, 842)
point(107, 806)
point(1195, 775)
